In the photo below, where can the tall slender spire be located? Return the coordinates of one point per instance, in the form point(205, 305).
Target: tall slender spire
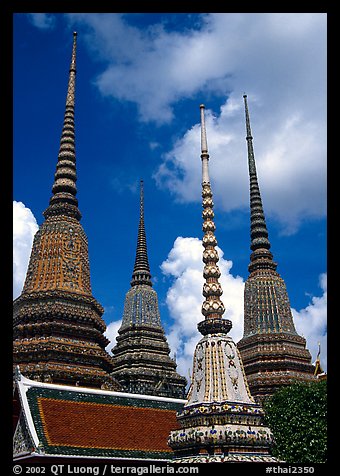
point(219, 405)
point(260, 245)
point(268, 320)
point(64, 190)
point(212, 307)
point(141, 271)
point(58, 330)
point(141, 357)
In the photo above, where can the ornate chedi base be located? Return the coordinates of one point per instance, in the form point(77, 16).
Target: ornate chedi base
point(273, 353)
point(58, 337)
point(221, 422)
point(274, 360)
point(141, 360)
point(142, 363)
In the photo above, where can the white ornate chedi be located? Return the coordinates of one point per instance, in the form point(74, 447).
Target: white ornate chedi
point(220, 421)
point(218, 372)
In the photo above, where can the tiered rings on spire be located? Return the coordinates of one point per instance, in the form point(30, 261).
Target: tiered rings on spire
point(58, 330)
point(261, 258)
point(273, 353)
point(141, 271)
point(63, 201)
point(212, 307)
point(141, 357)
point(220, 421)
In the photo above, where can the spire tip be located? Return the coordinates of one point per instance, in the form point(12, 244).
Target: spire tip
point(141, 271)
point(64, 190)
point(202, 106)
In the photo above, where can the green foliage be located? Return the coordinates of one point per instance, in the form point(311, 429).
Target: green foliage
point(296, 415)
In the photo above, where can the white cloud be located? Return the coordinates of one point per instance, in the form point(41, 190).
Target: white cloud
point(272, 54)
point(24, 228)
point(111, 333)
point(279, 59)
point(184, 298)
point(44, 21)
point(290, 159)
point(311, 322)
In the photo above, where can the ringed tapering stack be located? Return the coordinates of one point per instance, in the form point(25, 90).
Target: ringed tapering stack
point(273, 353)
point(142, 363)
point(220, 421)
point(58, 329)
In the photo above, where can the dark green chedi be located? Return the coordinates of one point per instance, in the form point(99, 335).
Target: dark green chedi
point(273, 353)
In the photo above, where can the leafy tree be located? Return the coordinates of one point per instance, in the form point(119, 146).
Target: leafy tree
point(296, 414)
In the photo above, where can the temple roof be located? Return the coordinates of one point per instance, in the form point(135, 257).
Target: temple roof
point(69, 421)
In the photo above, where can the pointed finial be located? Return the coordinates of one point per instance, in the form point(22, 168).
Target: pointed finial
point(249, 136)
point(204, 145)
point(212, 307)
point(70, 92)
point(260, 245)
point(319, 349)
point(204, 148)
point(141, 194)
point(141, 271)
point(17, 373)
point(64, 190)
point(318, 369)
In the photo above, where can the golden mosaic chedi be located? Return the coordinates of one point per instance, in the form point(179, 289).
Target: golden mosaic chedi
point(58, 328)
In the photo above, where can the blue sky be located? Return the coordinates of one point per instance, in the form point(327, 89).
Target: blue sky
point(140, 80)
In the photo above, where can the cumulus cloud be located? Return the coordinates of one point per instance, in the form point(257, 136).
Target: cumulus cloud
point(279, 59)
point(290, 161)
point(311, 322)
point(24, 228)
point(151, 67)
point(184, 267)
point(111, 333)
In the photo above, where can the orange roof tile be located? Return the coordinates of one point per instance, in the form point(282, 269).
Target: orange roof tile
point(106, 426)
